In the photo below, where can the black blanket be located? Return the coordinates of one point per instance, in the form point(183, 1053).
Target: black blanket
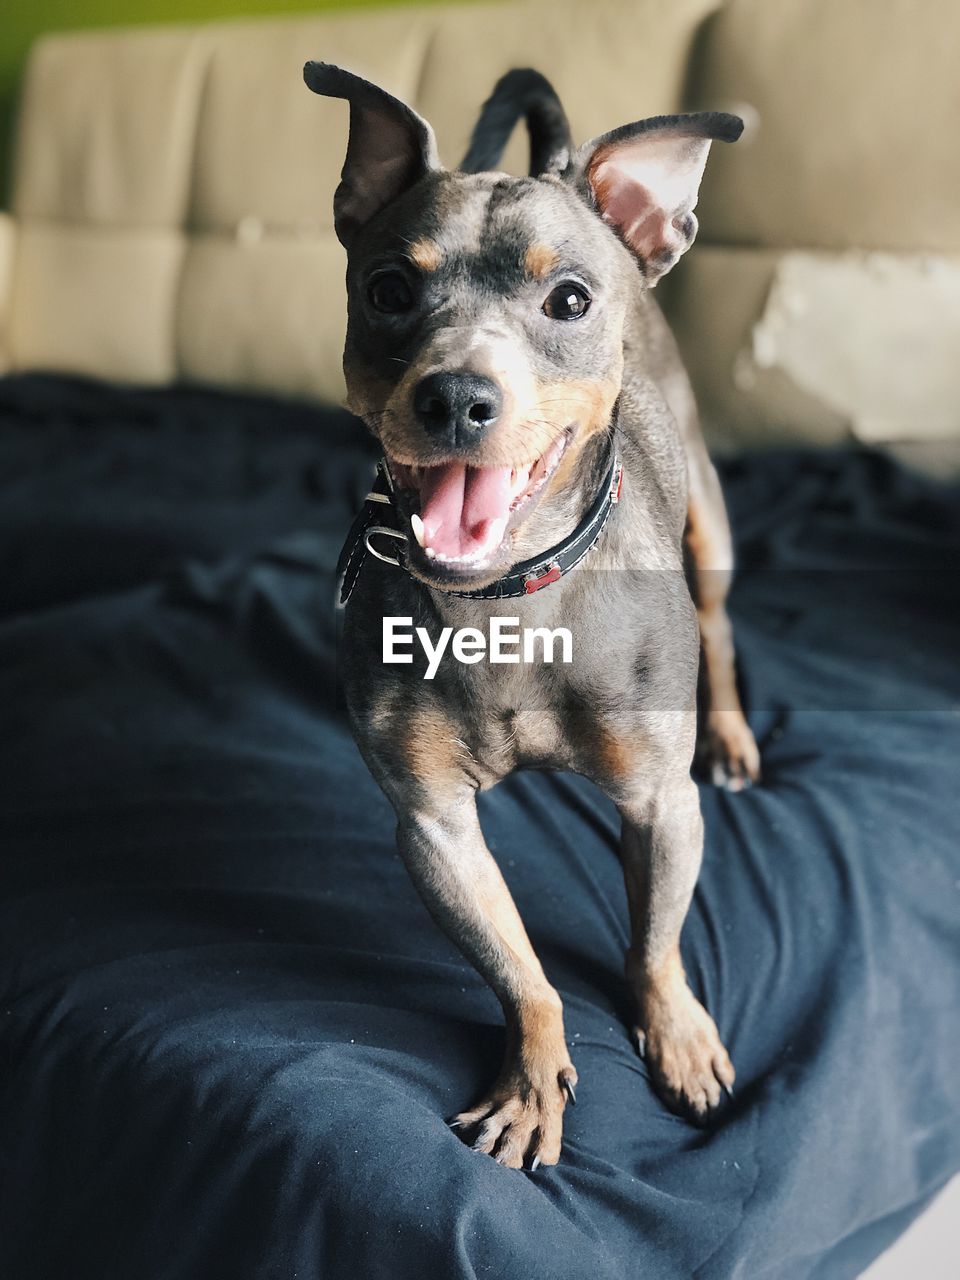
point(231, 1034)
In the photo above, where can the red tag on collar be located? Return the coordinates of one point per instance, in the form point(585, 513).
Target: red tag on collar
point(616, 487)
point(531, 585)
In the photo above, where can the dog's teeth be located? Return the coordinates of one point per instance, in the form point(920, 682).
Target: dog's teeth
point(520, 480)
point(431, 554)
point(416, 524)
point(495, 536)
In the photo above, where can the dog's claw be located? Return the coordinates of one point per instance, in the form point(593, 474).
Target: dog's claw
point(640, 1040)
point(729, 1091)
point(455, 1124)
point(571, 1092)
point(534, 1164)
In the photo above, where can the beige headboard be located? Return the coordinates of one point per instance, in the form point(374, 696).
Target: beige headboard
point(171, 214)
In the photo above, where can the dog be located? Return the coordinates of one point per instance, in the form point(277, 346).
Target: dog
point(543, 459)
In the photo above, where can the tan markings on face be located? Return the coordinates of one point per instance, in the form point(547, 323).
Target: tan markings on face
point(584, 401)
point(519, 437)
point(425, 254)
point(539, 261)
point(534, 414)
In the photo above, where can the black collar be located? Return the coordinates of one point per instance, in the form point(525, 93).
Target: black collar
point(378, 519)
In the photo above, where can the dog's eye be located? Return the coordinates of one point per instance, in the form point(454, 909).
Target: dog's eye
point(567, 302)
point(390, 293)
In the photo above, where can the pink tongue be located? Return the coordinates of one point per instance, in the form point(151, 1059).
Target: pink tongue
point(459, 503)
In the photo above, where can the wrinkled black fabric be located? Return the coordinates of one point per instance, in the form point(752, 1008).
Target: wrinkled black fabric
point(230, 1032)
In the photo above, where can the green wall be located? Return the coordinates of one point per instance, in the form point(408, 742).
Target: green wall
point(22, 21)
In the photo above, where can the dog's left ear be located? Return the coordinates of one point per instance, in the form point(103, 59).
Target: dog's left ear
point(389, 149)
point(644, 178)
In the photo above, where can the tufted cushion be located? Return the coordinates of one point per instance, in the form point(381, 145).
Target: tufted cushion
point(263, 314)
point(611, 61)
point(99, 302)
point(107, 127)
point(855, 145)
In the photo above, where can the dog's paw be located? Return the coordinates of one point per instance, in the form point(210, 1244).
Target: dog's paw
point(689, 1067)
point(520, 1122)
point(727, 751)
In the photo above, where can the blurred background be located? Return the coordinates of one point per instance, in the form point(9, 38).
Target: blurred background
point(169, 190)
point(23, 23)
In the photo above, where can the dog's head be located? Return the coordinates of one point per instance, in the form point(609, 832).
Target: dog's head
point(485, 335)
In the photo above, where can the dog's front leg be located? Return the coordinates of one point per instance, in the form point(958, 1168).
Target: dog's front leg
point(661, 849)
point(521, 1118)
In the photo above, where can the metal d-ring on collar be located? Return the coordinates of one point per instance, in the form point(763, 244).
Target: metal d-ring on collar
point(522, 580)
point(387, 533)
point(386, 500)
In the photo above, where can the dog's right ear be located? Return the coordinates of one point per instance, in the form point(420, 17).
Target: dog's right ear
point(389, 149)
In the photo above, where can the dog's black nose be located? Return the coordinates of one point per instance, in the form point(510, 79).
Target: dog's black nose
point(457, 407)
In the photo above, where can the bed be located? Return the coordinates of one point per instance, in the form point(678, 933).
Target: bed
point(230, 1036)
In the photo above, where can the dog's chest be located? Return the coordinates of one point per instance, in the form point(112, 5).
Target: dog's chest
point(519, 731)
point(525, 718)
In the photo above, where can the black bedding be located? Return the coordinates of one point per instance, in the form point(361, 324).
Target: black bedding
point(230, 1032)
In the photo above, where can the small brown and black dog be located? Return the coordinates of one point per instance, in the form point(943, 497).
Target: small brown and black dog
point(538, 431)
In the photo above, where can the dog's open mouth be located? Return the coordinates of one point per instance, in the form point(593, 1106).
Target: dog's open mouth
point(460, 514)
